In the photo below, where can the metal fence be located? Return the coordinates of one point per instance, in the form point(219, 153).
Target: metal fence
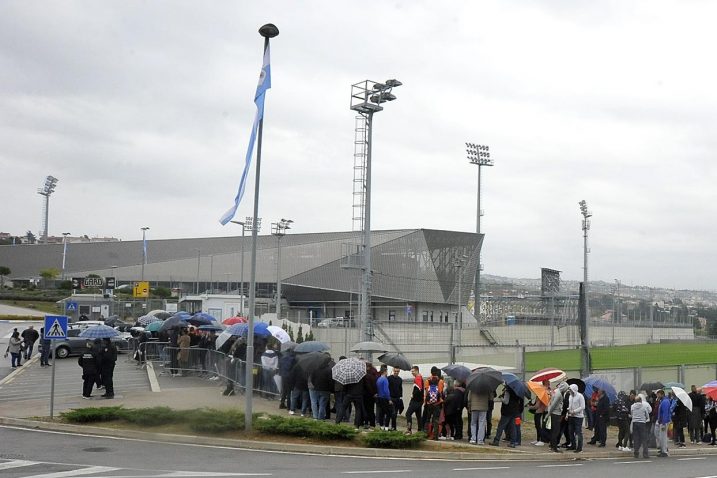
point(208, 364)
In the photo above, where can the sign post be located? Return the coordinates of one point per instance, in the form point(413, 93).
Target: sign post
point(55, 328)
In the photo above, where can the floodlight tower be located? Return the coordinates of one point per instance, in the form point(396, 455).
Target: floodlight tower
point(279, 229)
point(479, 155)
point(46, 190)
point(366, 99)
point(586, 227)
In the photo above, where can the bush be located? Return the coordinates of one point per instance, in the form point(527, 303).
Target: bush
point(92, 415)
point(152, 416)
point(386, 439)
point(304, 428)
point(209, 420)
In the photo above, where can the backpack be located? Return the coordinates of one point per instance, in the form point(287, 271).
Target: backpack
point(433, 392)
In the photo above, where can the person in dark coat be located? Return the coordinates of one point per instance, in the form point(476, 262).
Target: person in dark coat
point(602, 417)
point(696, 416)
point(107, 367)
point(395, 388)
point(680, 417)
point(510, 409)
point(354, 396)
point(453, 411)
point(97, 350)
point(300, 391)
point(88, 362)
point(286, 363)
point(369, 396)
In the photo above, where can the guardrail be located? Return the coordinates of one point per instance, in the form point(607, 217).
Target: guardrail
point(208, 364)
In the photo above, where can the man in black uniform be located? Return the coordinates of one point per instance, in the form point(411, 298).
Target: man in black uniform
point(107, 366)
point(88, 362)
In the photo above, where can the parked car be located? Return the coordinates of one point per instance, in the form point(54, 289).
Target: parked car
point(336, 322)
point(75, 345)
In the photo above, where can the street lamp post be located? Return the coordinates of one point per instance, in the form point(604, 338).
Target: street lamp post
point(199, 261)
point(479, 155)
point(366, 99)
point(278, 229)
point(64, 252)
point(458, 263)
point(144, 250)
point(616, 313)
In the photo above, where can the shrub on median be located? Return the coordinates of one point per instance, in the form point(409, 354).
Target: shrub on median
point(303, 427)
point(390, 439)
point(93, 415)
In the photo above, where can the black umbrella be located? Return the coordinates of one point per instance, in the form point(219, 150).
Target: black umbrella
point(313, 361)
point(459, 372)
point(174, 322)
point(161, 314)
point(578, 382)
point(652, 386)
point(311, 346)
point(395, 360)
point(484, 380)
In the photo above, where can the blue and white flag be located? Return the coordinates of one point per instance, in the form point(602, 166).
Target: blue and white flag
point(264, 84)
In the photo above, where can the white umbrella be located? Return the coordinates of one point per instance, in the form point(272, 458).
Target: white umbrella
point(683, 396)
point(369, 347)
point(279, 334)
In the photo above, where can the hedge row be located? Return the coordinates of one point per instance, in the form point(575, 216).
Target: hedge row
point(211, 421)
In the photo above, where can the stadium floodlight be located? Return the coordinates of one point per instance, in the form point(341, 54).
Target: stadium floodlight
point(46, 190)
point(479, 155)
point(366, 99)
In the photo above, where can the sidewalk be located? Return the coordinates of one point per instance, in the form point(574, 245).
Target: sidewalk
point(184, 393)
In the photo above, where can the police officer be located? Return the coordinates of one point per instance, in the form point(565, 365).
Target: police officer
point(88, 362)
point(107, 367)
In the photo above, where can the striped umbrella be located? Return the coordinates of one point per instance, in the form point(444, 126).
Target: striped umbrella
point(710, 389)
point(349, 370)
point(145, 320)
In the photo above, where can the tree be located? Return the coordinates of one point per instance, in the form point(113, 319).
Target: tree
point(162, 292)
point(49, 273)
point(299, 336)
point(4, 271)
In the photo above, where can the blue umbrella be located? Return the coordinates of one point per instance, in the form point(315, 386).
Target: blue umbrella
point(593, 381)
point(99, 332)
point(182, 314)
point(214, 327)
point(459, 372)
point(516, 384)
point(311, 346)
point(260, 328)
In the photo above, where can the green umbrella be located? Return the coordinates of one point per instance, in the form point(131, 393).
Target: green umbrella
point(154, 327)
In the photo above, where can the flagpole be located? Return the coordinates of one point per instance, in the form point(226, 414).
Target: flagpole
point(267, 31)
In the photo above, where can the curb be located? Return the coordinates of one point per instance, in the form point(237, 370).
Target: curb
point(326, 449)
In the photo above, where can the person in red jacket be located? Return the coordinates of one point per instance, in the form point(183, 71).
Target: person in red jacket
point(416, 402)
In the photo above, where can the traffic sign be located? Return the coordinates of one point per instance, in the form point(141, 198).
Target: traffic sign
point(55, 327)
point(71, 306)
point(141, 289)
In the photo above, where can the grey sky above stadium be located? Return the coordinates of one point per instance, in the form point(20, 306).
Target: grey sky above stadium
point(143, 111)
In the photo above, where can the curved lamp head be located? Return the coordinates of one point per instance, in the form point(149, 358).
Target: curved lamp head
point(269, 31)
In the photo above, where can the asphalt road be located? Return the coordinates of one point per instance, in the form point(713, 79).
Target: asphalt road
point(39, 454)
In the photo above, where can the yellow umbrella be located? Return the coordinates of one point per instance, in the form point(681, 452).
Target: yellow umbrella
point(540, 391)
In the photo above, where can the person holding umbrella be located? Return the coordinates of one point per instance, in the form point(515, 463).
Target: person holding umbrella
point(108, 359)
point(511, 407)
point(88, 362)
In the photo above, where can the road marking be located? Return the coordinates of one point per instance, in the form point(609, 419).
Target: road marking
point(183, 474)
point(153, 382)
point(483, 468)
point(688, 459)
point(556, 466)
point(631, 462)
point(16, 464)
point(83, 471)
point(374, 471)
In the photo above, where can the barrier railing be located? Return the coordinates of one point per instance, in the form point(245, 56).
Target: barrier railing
point(208, 364)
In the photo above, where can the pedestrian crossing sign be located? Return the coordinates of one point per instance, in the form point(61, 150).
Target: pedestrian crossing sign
point(55, 327)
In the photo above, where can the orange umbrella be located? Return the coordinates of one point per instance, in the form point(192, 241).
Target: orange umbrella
point(540, 391)
point(550, 374)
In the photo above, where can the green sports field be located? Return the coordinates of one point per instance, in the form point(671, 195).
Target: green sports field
point(628, 356)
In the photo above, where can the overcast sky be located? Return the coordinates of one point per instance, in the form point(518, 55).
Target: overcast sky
point(143, 110)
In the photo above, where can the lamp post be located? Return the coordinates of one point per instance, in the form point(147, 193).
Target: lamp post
point(278, 229)
point(586, 307)
point(144, 250)
point(479, 155)
point(616, 313)
point(458, 263)
point(64, 252)
point(366, 99)
point(199, 261)
point(46, 190)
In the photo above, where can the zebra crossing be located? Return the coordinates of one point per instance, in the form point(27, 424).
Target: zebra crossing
point(39, 469)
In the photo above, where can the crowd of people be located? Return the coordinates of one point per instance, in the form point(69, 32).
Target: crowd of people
point(20, 345)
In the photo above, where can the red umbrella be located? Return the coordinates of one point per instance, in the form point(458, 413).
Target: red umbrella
point(234, 320)
point(550, 374)
point(710, 389)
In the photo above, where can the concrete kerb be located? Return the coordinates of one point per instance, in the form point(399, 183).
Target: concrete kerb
point(507, 455)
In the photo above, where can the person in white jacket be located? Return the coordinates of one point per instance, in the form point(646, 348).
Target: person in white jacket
point(576, 413)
